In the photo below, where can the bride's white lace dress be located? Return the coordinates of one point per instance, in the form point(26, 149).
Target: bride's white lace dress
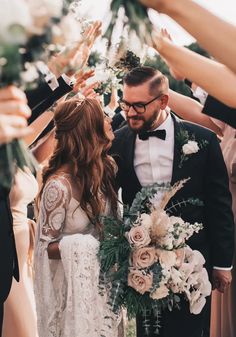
point(67, 295)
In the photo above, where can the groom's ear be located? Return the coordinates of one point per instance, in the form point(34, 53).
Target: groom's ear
point(164, 101)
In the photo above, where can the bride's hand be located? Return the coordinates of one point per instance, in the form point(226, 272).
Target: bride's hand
point(53, 251)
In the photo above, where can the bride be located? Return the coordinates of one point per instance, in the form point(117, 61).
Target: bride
point(78, 187)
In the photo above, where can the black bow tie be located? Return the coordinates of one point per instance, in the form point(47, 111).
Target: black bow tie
point(158, 133)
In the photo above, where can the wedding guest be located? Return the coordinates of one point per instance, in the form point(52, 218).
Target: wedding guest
point(18, 322)
point(203, 25)
point(14, 103)
point(23, 192)
point(223, 304)
point(192, 66)
point(211, 106)
point(149, 150)
point(78, 187)
point(13, 114)
point(61, 73)
point(13, 119)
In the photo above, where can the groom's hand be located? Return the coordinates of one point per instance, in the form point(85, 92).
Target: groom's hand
point(221, 279)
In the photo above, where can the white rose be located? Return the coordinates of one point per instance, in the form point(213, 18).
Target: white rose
point(197, 306)
point(146, 220)
point(190, 147)
point(166, 258)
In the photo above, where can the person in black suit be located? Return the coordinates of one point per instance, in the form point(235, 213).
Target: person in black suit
point(212, 107)
point(13, 115)
point(149, 150)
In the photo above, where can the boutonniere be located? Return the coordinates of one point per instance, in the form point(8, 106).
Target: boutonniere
point(188, 145)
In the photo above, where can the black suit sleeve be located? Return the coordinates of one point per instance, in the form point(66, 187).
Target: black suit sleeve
point(218, 110)
point(42, 98)
point(218, 207)
point(117, 121)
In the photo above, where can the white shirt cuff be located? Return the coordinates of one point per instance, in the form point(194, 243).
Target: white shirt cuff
point(52, 81)
point(49, 77)
point(109, 111)
point(223, 268)
point(67, 80)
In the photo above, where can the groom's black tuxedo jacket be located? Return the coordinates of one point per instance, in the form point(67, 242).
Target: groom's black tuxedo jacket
point(209, 183)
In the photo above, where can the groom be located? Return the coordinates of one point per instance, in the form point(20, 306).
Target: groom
point(151, 149)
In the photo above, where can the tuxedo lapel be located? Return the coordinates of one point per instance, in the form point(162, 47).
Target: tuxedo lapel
point(178, 125)
point(130, 158)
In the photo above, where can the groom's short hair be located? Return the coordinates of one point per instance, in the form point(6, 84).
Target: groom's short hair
point(140, 75)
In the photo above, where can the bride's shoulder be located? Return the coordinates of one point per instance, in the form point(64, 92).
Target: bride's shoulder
point(59, 183)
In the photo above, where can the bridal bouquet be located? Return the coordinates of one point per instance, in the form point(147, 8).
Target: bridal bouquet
point(145, 261)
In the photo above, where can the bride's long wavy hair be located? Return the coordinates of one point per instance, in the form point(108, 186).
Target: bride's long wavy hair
point(82, 142)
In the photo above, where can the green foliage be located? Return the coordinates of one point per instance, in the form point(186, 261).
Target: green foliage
point(135, 19)
point(9, 55)
point(128, 62)
point(140, 202)
point(197, 49)
point(95, 58)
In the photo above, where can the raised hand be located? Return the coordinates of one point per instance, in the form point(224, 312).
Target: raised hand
point(113, 104)
point(88, 91)
point(14, 112)
point(81, 77)
point(73, 58)
point(159, 39)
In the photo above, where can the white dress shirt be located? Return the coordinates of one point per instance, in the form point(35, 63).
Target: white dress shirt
point(153, 158)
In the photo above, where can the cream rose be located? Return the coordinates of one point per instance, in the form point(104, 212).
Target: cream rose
point(139, 281)
point(146, 220)
point(167, 258)
point(190, 147)
point(144, 257)
point(139, 236)
point(180, 255)
point(160, 292)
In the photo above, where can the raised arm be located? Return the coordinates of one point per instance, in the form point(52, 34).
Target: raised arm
point(14, 112)
point(191, 110)
point(215, 78)
point(214, 34)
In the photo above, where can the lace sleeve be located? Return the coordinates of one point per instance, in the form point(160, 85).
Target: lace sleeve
point(54, 203)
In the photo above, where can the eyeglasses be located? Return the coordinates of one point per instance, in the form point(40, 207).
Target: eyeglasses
point(140, 108)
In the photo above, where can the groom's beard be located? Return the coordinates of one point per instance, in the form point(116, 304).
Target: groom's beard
point(148, 124)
